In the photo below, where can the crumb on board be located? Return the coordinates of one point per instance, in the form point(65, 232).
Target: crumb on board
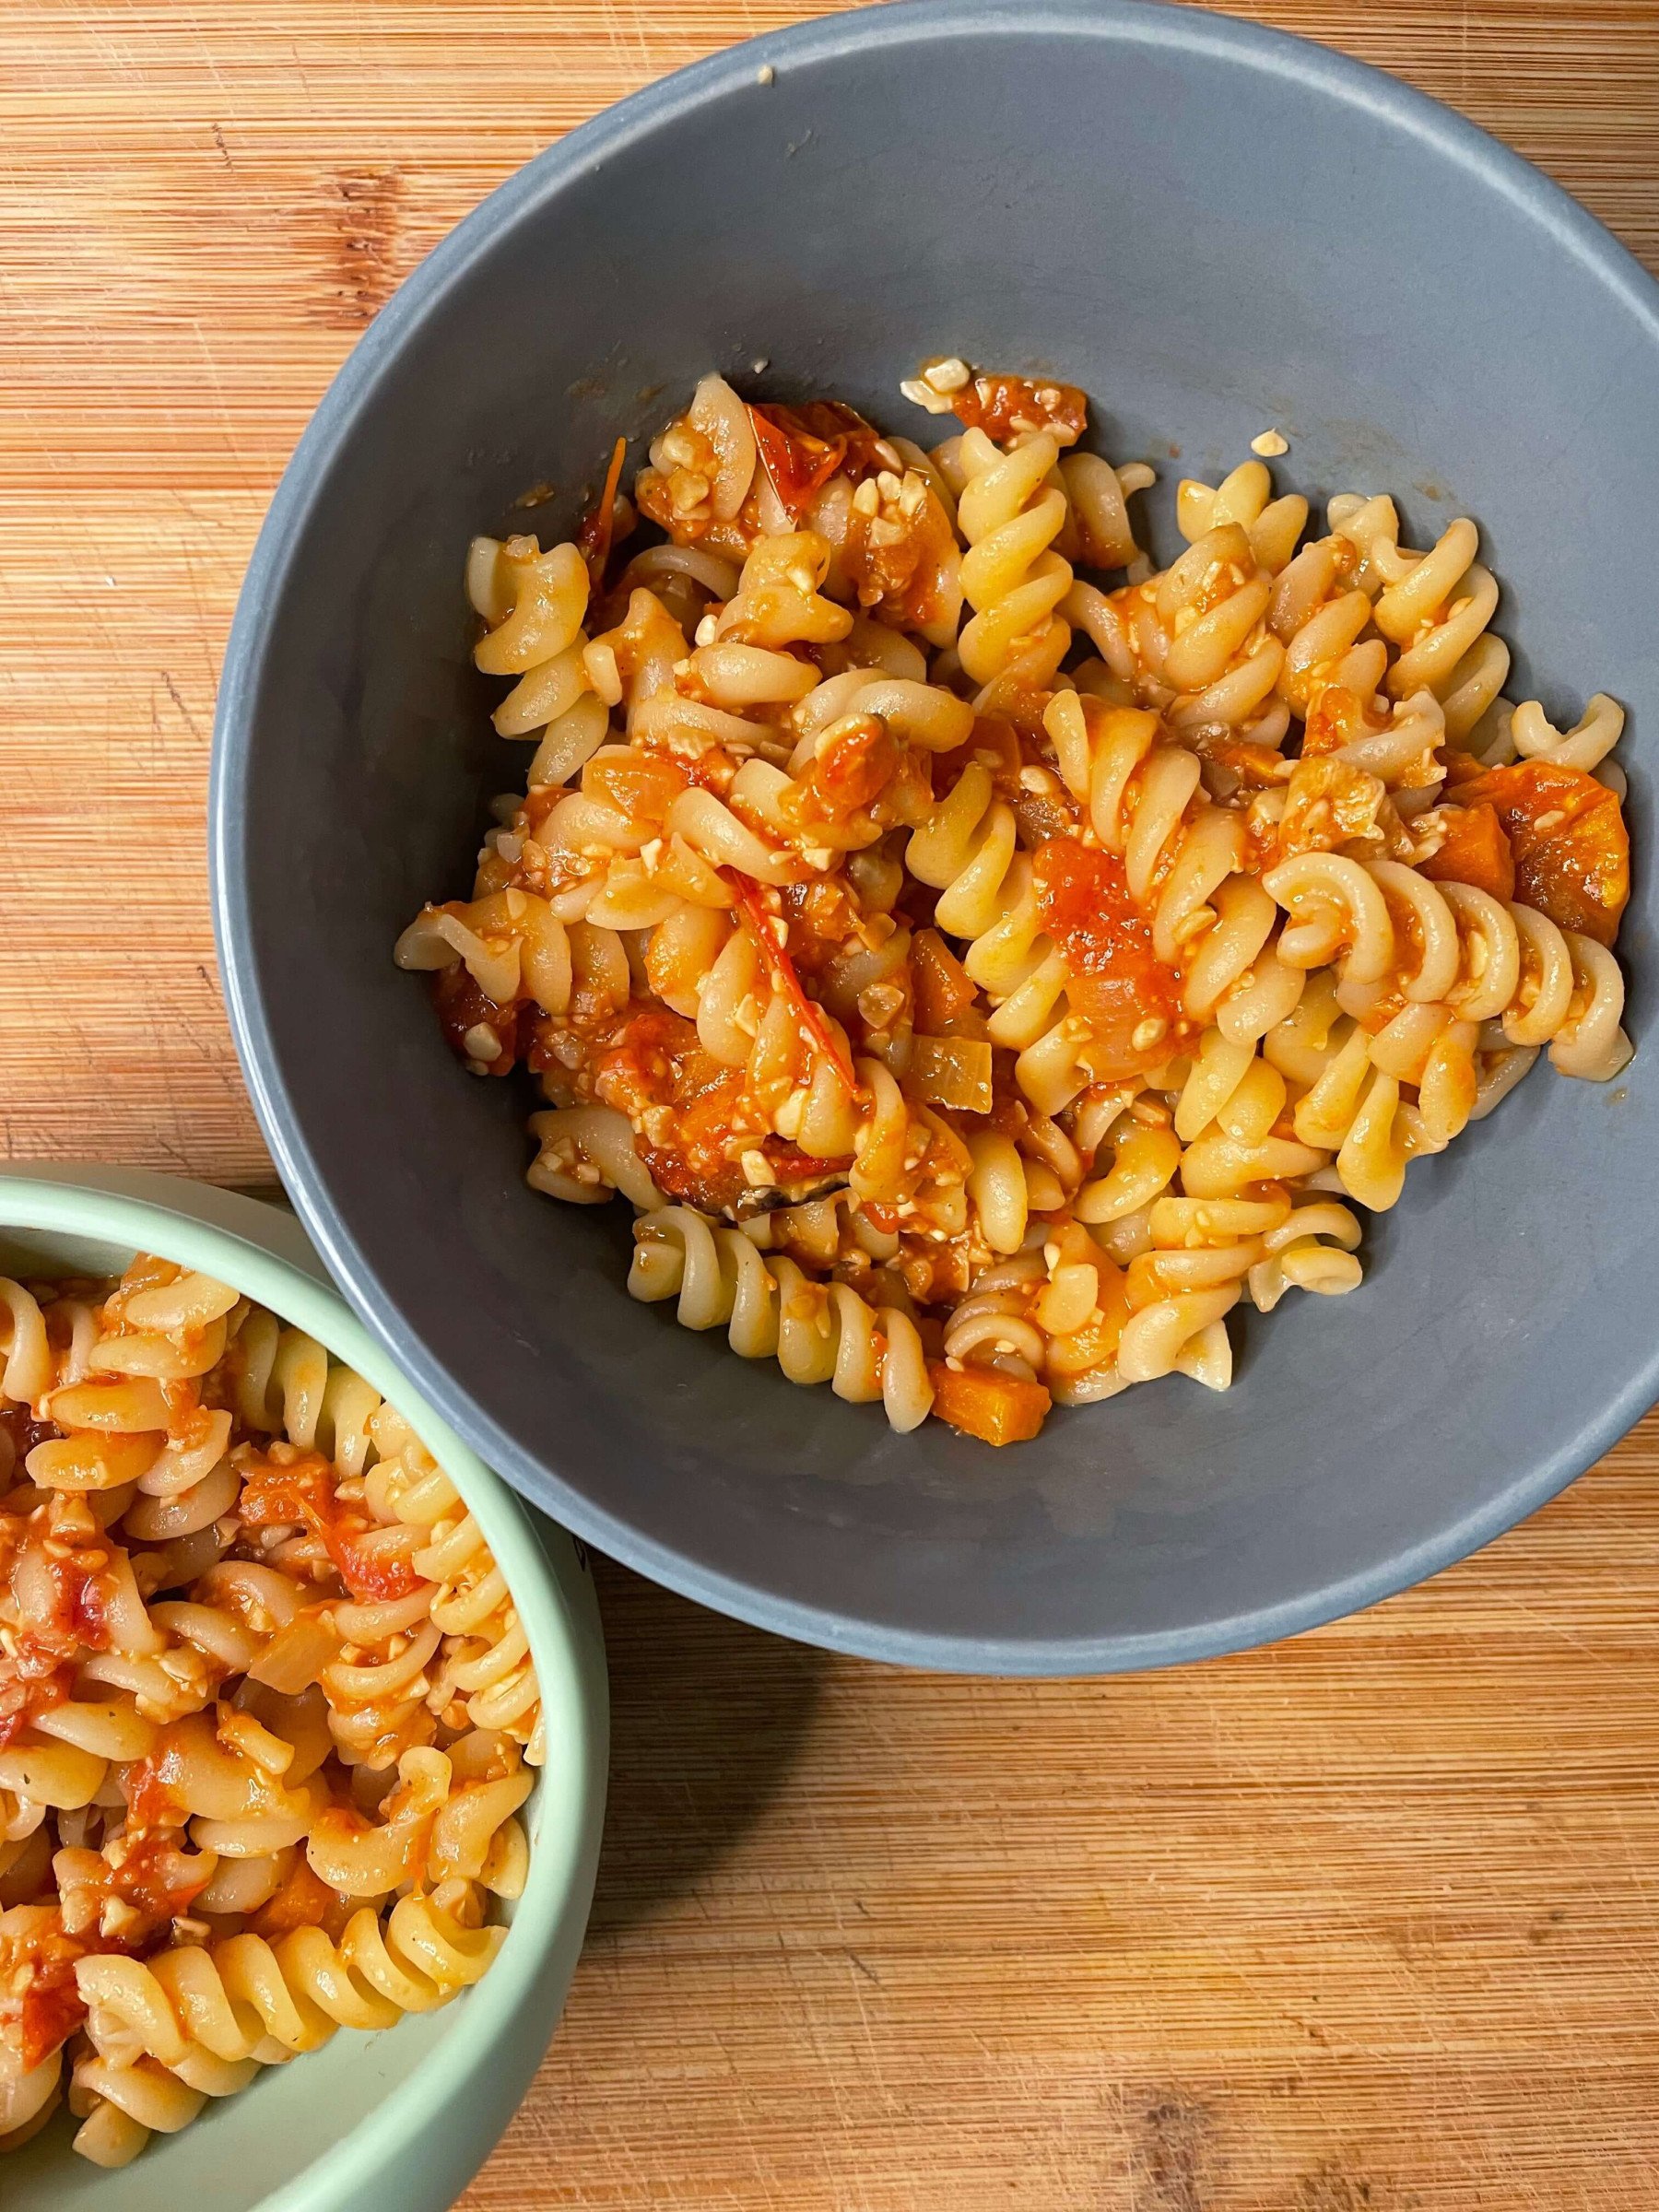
point(766, 75)
point(1270, 444)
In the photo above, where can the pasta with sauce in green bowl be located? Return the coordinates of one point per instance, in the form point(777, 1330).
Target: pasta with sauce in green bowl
point(300, 1725)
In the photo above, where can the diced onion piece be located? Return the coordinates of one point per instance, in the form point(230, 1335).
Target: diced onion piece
point(950, 1071)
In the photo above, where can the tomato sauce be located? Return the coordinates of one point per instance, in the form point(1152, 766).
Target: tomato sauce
point(41, 2005)
point(850, 775)
point(30, 1684)
point(37, 1673)
point(82, 1594)
point(157, 1879)
point(304, 1900)
point(1117, 982)
point(148, 1785)
point(867, 775)
point(1337, 717)
point(1003, 406)
point(801, 448)
point(147, 1871)
point(277, 1493)
point(641, 786)
point(462, 1006)
point(653, 1058)
point(50, 2009)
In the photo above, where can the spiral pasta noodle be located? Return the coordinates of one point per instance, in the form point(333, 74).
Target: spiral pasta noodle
point(984, 960)
point(770, 1310)
point(268, 1716)
point(1010, 514)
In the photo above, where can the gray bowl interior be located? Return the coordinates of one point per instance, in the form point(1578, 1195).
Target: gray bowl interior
point(1214, 230)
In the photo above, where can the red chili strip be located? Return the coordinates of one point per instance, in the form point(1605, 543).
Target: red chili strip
point(593, 539)
point(809, 1013)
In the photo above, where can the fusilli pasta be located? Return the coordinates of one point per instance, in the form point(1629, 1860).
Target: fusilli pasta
point(268, 1717)
point(983, 959)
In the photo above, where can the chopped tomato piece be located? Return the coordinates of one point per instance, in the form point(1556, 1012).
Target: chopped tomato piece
point(801, 448)
point(153, 1785)
point(49, 2007)
point(982, 1402)
point(1326, 802)
point(850, 773)
point(1129, 998)
point(1568, 834)
point(302, 1490)
point(943, 988)
point(593, 539)
point(1476, 850)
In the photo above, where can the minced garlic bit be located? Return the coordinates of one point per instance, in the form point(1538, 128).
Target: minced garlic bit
point(934, 388)
point(1270, 444)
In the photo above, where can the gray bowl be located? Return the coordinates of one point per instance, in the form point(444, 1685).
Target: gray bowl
point(1215, 229)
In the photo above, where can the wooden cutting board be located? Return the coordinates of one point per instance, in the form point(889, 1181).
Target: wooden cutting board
point(1367, 1921)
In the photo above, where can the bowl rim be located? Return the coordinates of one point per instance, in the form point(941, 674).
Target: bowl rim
point(263, 1253)
point(1178, 29)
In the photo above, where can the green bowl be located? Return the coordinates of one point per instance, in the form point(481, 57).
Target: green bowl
point(405, 2118)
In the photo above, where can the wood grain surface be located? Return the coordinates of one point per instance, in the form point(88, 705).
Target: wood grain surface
point(1365, 1922)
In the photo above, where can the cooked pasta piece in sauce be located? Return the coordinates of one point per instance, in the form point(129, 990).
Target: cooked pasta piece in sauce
point(982, 960)
point(267, 1714)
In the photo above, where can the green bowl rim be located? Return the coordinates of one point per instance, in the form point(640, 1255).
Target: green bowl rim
point(264, 1253)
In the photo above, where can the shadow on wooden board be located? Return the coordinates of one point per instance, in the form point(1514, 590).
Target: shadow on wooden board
point(707, 1717)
